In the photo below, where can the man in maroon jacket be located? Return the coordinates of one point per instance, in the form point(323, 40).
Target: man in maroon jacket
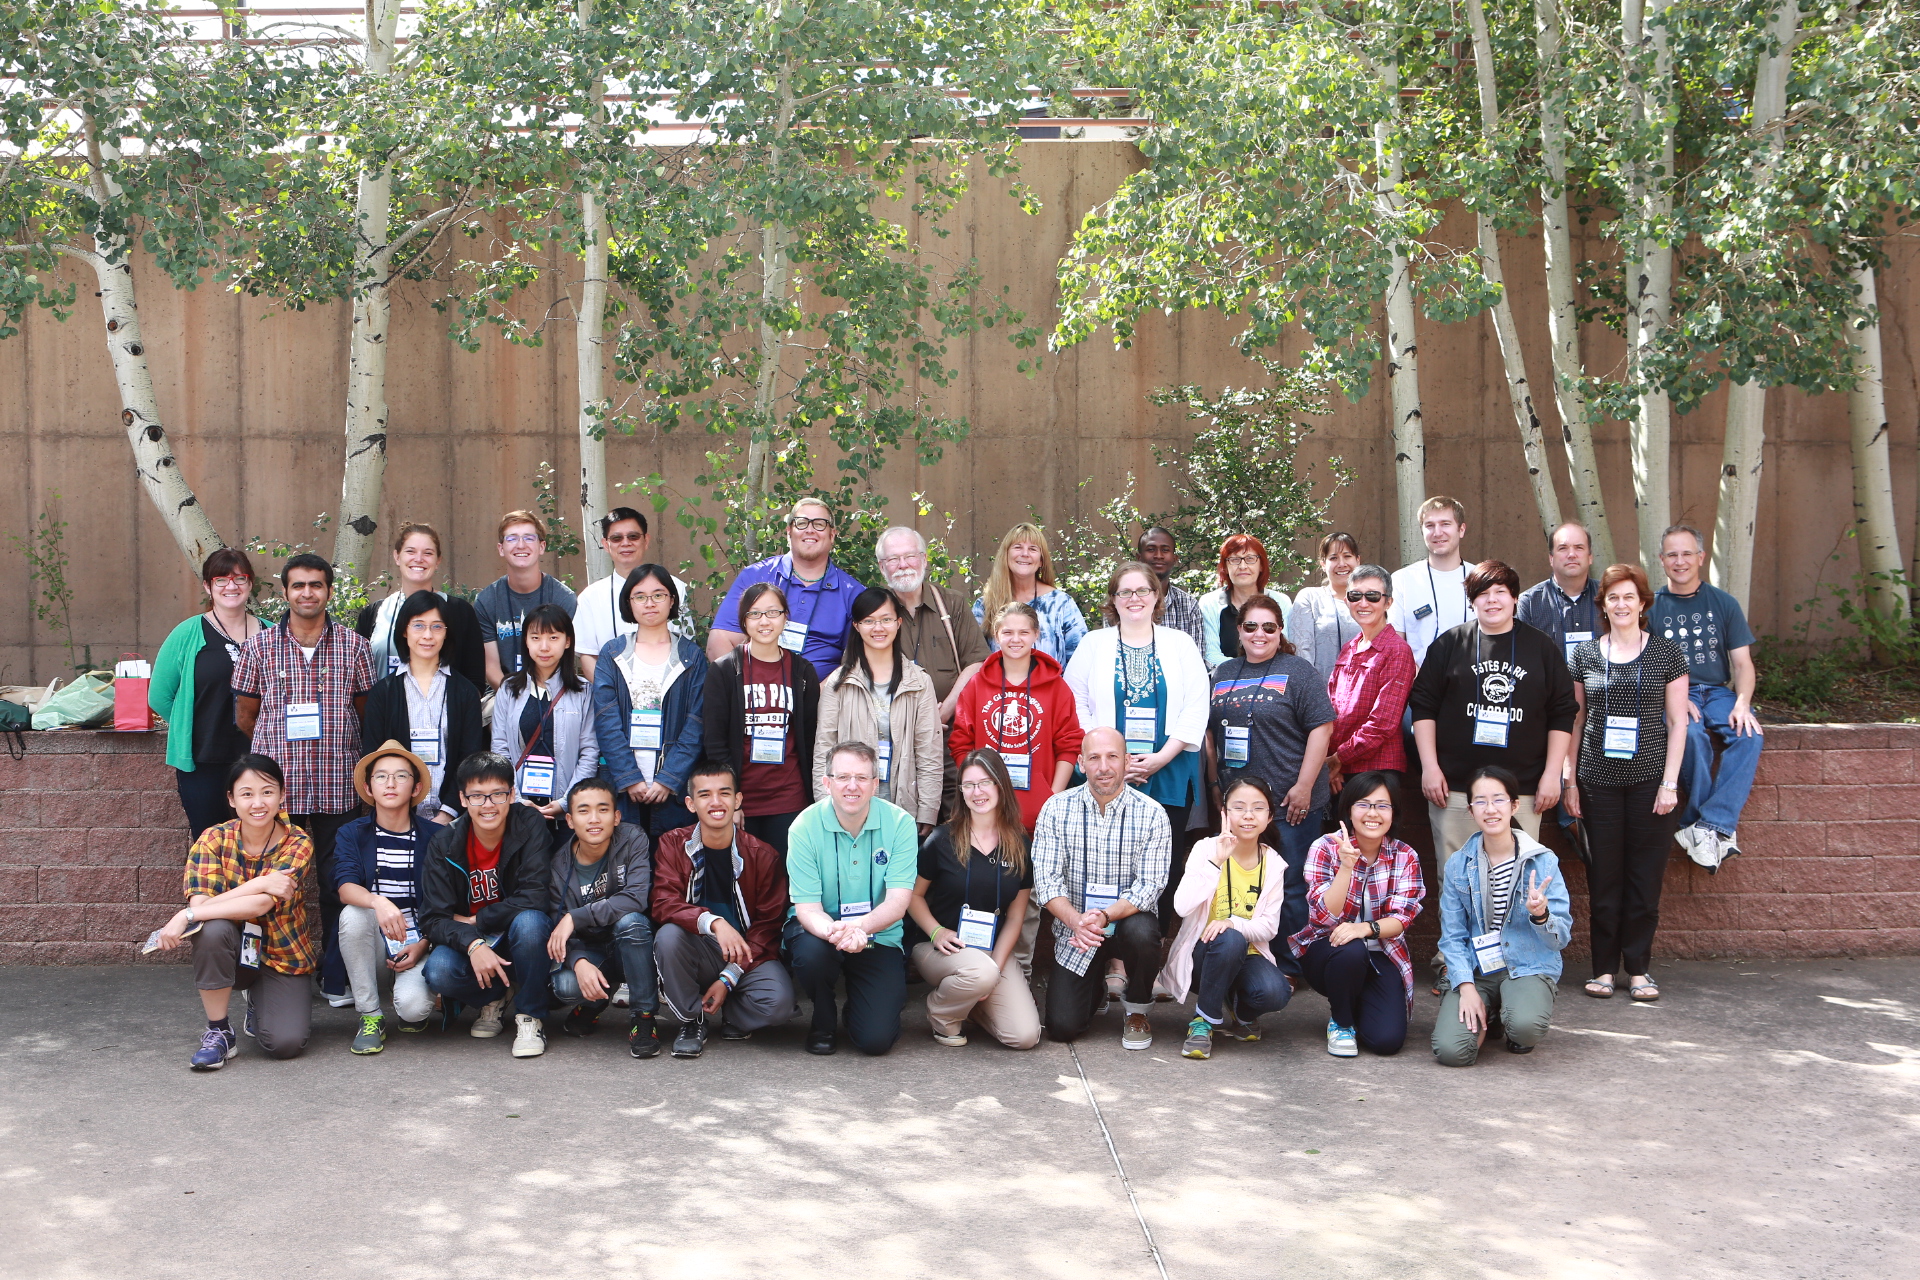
point(719, 899)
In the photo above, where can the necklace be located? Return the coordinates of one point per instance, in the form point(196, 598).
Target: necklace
point(214, 616)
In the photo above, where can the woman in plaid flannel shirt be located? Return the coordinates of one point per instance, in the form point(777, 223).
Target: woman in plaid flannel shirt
point(1364, 890)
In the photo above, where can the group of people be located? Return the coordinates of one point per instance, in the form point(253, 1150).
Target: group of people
point(570, 804)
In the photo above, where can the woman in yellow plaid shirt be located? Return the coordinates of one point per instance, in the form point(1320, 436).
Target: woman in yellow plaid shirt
point(246, 919)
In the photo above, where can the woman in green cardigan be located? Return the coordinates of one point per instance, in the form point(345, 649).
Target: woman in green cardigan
point(192, 689)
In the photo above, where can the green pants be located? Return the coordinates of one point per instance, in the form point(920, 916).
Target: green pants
point(1521, 1006)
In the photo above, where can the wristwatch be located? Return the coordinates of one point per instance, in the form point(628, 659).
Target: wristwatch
point(1375, 926)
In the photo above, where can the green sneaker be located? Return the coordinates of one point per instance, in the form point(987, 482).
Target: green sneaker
point(373, 1034)
point(1199, 1040)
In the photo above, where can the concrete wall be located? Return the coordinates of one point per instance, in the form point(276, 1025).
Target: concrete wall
point(254, 400)
point(92, 841)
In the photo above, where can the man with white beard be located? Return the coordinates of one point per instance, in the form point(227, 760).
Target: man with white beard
point(937, 630)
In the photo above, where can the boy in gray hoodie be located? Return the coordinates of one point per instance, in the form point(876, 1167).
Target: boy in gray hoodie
point(602, 879)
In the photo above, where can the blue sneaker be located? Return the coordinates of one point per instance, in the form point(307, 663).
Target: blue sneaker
point(216, 1046)
point(1340, 1041)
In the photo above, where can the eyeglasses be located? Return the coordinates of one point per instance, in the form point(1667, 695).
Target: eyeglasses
point(624, 539)
point(1252, 628)
point(818, 524)
point(1373, 806)
point(1244, 810)
point(765, 615)
point(1371, 597)
point(390, 775)
point(233, 582)
point(652, 597)
point(487, 799)
point(1134, 593)
point(985, 784)
point(895, 562)
point(521, 540)
point(1243, 562)
point(849, 777)
point(878, 620)
point(419, 628)
point(1491, 802)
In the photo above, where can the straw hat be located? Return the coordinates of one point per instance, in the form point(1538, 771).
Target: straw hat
point(422, 777)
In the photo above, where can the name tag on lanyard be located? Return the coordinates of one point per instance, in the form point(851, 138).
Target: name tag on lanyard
point(1142, 728)
point(1099, 897)
point(303, 722)
point(793, 637)
point(643, 729)
point(536, 777)
point(1575, 639)
point(395, 948)
point(1490, 727)
point(886, 761)
point(1019, 768)
point(426, 746)
point(1621, 738)
point(1234, 744)
point(977, 928)
point(1488, 955)
point(251, 939)
point(855, 910)
point(769, 746)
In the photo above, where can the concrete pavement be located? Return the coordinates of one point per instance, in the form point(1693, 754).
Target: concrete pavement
point(1762, 1121)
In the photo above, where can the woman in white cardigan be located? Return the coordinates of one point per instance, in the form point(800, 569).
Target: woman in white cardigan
point(1229, 902)
point(1149, 682)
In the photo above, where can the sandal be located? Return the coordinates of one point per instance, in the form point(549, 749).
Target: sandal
point(1645, 991)
point(1599, 989)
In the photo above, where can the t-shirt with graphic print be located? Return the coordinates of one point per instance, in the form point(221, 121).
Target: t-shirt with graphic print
point(767, 696)
point(1493, 700)
point(483, 874)
point(1279, 704)
point(1707, 625)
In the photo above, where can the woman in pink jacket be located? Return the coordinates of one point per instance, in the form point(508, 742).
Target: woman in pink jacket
point(1229, 904)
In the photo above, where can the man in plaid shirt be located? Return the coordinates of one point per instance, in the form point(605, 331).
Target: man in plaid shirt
point(299, 688)
point(1156, 549)
point(1100, 860)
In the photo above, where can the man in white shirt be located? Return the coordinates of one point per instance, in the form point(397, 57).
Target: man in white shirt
point(1430, 596)
point(596, 618)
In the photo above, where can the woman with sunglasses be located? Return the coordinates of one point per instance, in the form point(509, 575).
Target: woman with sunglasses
point(427, 705)
point(1229, 914)
point(1271, 720)
point(759, 715)
point(1364, 891)
point(1372, 679)
point(192, 689)
point(882, 697)
point(1320, 624)
point(1504, 920)
point(649, 696)
point(1243, 575)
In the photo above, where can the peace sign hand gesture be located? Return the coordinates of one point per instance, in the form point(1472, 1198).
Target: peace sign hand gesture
point(1348, 851)
point(1537, 894)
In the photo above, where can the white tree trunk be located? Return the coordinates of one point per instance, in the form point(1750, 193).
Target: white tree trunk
point(775, 273)
point(1650, 278)
point(590, 360)
point(153, 459)
point(366, 459)
point(1402, 347)
point(1873, 518)
point(1563, 322)
point(1746, 433)
point(1513, 361)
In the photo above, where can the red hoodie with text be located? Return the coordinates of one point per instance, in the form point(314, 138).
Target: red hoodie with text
point(1032, 718)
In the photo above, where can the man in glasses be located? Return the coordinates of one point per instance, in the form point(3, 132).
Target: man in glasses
point(596, 619)
point(503, 605)
point(951, 652)
point(1371, 680)
point(819, 593)
point(486, 895)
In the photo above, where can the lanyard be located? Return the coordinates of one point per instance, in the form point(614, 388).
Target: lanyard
point(1033, 722)
point(1513, 646)
point(966, 894)
point(794, 580)
point(1433, 597)
point(1606, 690)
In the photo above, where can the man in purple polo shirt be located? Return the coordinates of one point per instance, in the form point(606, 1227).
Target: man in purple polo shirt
point(819, 593)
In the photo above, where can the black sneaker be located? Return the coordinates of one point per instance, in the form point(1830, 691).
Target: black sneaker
point(1514, 1046)
point(584, 1018)
point(730, 1032)
point(643, 1040)
point(691, 1040)
point(821, 1043)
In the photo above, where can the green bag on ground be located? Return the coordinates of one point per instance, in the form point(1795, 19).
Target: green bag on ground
point(87, 703)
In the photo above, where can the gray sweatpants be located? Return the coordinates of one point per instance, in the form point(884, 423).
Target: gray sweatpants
point(689, 963)
point(365, 951)
point(282, 1002)
point(1521, 1007)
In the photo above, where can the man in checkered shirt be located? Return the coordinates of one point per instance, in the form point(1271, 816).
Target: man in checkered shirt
point(1100, 859)
point(299, 688)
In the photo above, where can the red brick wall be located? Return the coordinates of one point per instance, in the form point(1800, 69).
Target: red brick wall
point(92, 839)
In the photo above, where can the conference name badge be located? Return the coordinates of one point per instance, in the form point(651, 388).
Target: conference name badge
point(251, 938)
point(1489, 957)
point(1621, 738)
point(769, 746)
point(427, 747)
point(855, 910)
point(1575, 639)
point(1141, 724)
point(303, 722)
point(1019, 768)
point(886, 761)
point(793, 637)
point(1099, 897)
point(643, 729)
point(976, 928)
point(536, 778)
point(1235, 751)
point(1490, 727)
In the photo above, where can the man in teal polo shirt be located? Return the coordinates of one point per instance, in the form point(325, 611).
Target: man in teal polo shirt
point(851, 863)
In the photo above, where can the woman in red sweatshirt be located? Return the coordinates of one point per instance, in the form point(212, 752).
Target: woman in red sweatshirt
point(1020, 706)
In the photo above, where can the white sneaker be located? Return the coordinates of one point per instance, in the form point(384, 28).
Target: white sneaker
point(1710, 850)
point(1697, 841)
point(341, 1002)
point(529, 1039)
point(1729, 846)
point(487, 1025)
point(620, 997)
point(1341, 1042)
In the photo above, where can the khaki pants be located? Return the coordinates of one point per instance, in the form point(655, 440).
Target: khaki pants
point(967, 985)
point(1453, 826)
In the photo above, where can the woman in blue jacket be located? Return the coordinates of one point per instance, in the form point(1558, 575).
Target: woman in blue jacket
point(648, 691)
point(1504, 920)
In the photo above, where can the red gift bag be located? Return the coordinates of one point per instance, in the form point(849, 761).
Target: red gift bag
point(131, 677)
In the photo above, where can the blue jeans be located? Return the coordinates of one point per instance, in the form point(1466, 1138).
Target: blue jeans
point(1712, 801)
point(450, 976)
point(1293, 843)
point(1225, 968)
point(629, 959)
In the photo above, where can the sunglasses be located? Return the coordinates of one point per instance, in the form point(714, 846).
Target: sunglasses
point(1371, 597)
point(1271, 628)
